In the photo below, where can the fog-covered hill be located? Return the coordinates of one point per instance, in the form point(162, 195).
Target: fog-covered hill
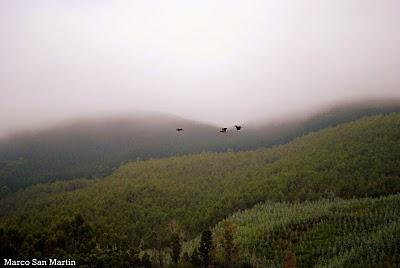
point(93, 148)
point(355, 159)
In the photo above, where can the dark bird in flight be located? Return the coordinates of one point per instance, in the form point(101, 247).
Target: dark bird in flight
point(179, 129)
point(238, 127)
point(223, 130)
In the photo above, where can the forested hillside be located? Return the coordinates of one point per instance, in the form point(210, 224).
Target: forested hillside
point(93, 148)
point(285, 131)
point(327, 233)
point(135, 206)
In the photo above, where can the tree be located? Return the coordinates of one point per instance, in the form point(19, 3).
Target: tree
point(176, 248)
point(205, 247)
point(4, 191)
point(176, 233)
point(75, 235)
point(228, 243)
point(290, 260)
point(158, 242)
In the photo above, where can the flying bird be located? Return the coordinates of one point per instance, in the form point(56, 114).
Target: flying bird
point(238, 127)
point(223, 130)
point(179, 129)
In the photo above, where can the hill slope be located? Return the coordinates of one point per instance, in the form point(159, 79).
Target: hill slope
point(135, 203)
point(93, 148)
point(336, 233)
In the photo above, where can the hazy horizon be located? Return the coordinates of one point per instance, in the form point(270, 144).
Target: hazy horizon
point(219, 62)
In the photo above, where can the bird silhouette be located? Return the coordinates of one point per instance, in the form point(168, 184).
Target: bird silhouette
point(223, 130)
point(179, 129)
point(238, 127)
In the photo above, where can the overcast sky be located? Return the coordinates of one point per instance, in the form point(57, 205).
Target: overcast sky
point(211, 60)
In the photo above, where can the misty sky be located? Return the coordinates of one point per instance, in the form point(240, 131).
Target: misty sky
point(216, 61)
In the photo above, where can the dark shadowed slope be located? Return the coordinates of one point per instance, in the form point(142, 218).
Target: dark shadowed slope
point(92, 148)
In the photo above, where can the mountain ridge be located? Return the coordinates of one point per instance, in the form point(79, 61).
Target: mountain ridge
point(92, 149)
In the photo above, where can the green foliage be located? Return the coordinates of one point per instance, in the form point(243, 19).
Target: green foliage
point(94, 148)
point(205, 247)
point(289, 261)
point(338, 233)
point(132, 207)
point(71, 238)
point(4, 191)
point(354, 159)
point(176, 248)
point(227, 243)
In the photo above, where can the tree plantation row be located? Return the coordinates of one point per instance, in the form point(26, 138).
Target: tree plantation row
point(327, 233)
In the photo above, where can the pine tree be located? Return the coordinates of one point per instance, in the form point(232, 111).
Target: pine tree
point(229, 246)
point(205, 246)
point(176, 248)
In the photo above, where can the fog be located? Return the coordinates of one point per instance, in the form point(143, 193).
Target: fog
point(221, 62)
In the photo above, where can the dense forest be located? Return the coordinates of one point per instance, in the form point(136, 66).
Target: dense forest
point(327, 233)
point(94, 148)
point(322, 191)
